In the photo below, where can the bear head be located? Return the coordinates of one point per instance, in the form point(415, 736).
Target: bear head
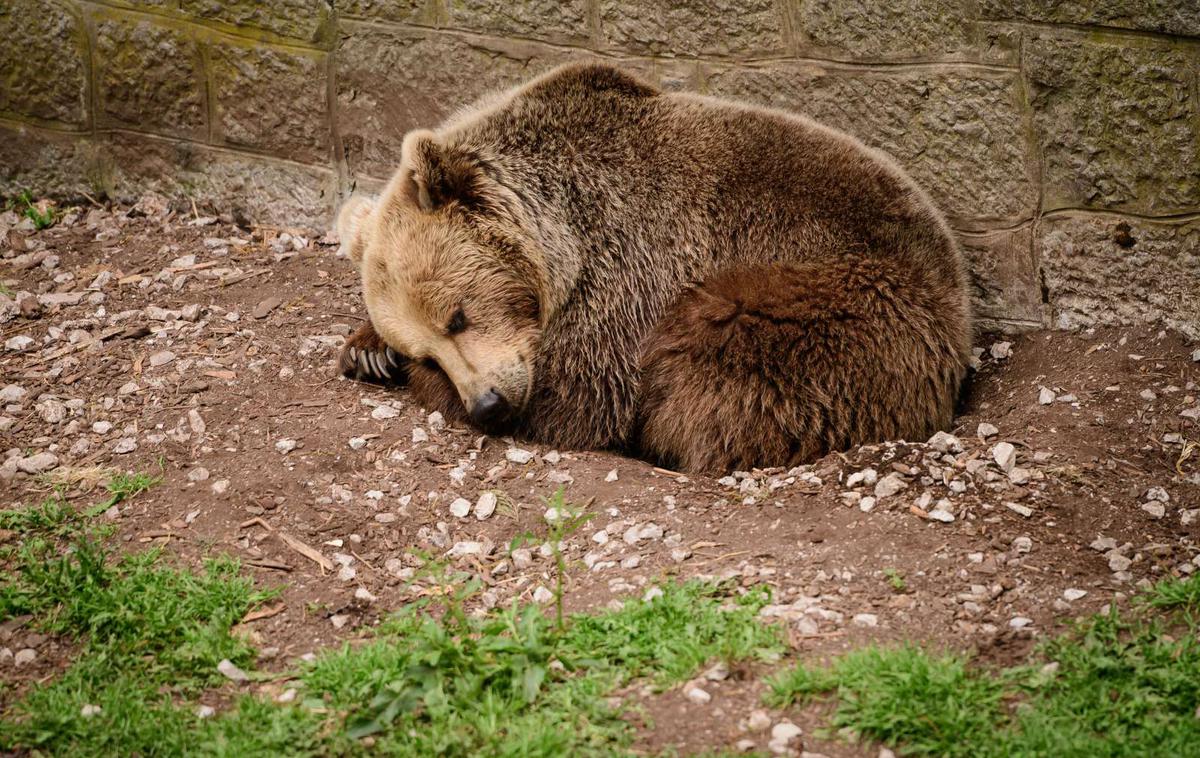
point(452, 276)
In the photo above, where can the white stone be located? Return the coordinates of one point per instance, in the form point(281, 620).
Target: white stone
point(758, 721)
point(1071, 594)
point(1046, 396)
point(18, 343)
point(384, 412)
point(697, 695)
point(1023, 510)
point(419, 435)
point(942, 515)
point(866, 619)
point(945, 443)
point(522, 558)
point(364, 594)
point(889, 485)
point(1005, 455)
point(1019, 622)
point(357, 443)
point(867, 504)
point(1155, 509)
point(161, 358)
point(89, 710)
point(611, 476)
point(12, 393)
point(785, 731)
point(485, 506)
point(1022, 544)
point(1001, 350)
point(38, 464)
point(460, 508)
point(518, 456)
point(1159, 494)
point(542, 596)
point(286, 446)
point(985, 430)
point(231, 671)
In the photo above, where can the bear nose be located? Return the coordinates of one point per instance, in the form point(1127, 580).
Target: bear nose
point(490, 408)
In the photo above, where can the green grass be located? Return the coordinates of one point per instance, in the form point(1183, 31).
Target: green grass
point(1116, 686)
point(895, 580)
point(41, 220)
point(433, 680)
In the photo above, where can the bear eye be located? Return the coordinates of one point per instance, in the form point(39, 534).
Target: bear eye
point(457, 323)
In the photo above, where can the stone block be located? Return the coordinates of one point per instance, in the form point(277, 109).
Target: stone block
point(307, 20)
point(1117, 125)
point(892, 31)
point(1166, 16)
point(42, 70)
point(959, 133)
point(259, 190)
point(1106, 269)
point(402, 11)
point(1005, 290)
point(554, 20)
point(271, 99)
point(393, 80)
point(694, 27)
point(47, 163)
point(150, 76)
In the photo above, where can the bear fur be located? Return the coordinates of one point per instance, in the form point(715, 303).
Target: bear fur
point(707, 284)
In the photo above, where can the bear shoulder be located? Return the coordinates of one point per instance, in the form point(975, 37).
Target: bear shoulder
point(576, 80)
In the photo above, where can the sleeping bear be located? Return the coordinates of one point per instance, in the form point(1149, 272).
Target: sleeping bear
point(587, 261)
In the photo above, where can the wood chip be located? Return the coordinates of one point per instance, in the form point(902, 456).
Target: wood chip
point(267, 563)
point(308, 552)
point(263, 613)
point(221, 374)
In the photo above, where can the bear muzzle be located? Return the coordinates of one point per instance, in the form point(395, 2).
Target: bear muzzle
point(491, 410)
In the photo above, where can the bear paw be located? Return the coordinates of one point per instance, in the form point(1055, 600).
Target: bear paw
point(365, 357)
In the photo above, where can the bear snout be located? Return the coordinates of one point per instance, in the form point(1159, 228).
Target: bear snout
point(491, 409)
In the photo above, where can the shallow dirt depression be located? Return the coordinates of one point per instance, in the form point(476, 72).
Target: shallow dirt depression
point(147, 341)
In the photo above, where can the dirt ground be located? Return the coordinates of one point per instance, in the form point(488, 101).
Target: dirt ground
point(135, 338)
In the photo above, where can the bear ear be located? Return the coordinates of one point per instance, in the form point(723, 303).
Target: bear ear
point(435, 175)
point(351, 226)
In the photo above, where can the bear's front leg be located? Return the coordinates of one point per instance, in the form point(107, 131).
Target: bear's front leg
point(366, 357)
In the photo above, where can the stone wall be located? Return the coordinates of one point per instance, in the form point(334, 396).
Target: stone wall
point(1061, 138)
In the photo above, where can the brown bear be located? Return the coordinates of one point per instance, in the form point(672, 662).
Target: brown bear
point(590, 262)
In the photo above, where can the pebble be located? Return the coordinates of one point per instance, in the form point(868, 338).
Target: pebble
point(1148, 394)
point(611, 476)
point(1022, 544)
point(542, 596)
point(1155, 509)
point(357, 443)
point(38, 464)
point(18, 343)
point(518, 456)
point(866, 619)
point(889, 485)
point(220, 486)
point(1005, 455)
point(485, 506)
point(286, 446)
point(25, 657)
point(939, 514)
point(205, 712)
point(419, 435)
point(1046, 396)
point(1023, 510)
point(460, 508)
point(759, 721)
point(89, 710)
point(1019, 622)
point(522, 558)
point(12, 393)
point(1001, 350)
point(985, 430)
point(1196, 356)
point(198, 474)
point(867, 476)
point(465, 548)
point(125, 445)
point(1118, 562)
point(867, 504)
point(1159, 494)
point(1072, 594)
point(364, 594)
point(944, 442)
point(384, 412)
point(697, 695)
point(231, 672)
point(264, 308)
point(785, 732)
point(161, 358)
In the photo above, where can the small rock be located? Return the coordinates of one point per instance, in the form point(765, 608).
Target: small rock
point(465, 548)
point(1018, 475)
point(460, 508)
point(1019, 622)
point(364, 594)
point(1046, 396)
point(1118, 562)
point(518, 456)
point(38, 464)
point(1005, 455)
point(18, 344)
point(161, 358)
point(986, 430)
point(485, 506)
point(542, 596)
point(1072, 594)
point(1159, 494)
point(611, 476)
point(1001, 350)
point(198, 474)
point(867, 504)
point(1148, 394)
point(866, 619)
point(419, 435)
point(522, 558)
point(889, 485)
point(357, 443)
point(205, 712)
point(89, 710)
point(1155, 509)
point(759, 721)
point(785, 731)
point(1022, 544)
point(944, 442)
point(264, 308)
point(286, 446)
point(697, 695)
point(232, 672)
point(1023, 510)
point(384, 412)
point(24, 657)
point(942, 515)
point(220, 486)
point(12, 393)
